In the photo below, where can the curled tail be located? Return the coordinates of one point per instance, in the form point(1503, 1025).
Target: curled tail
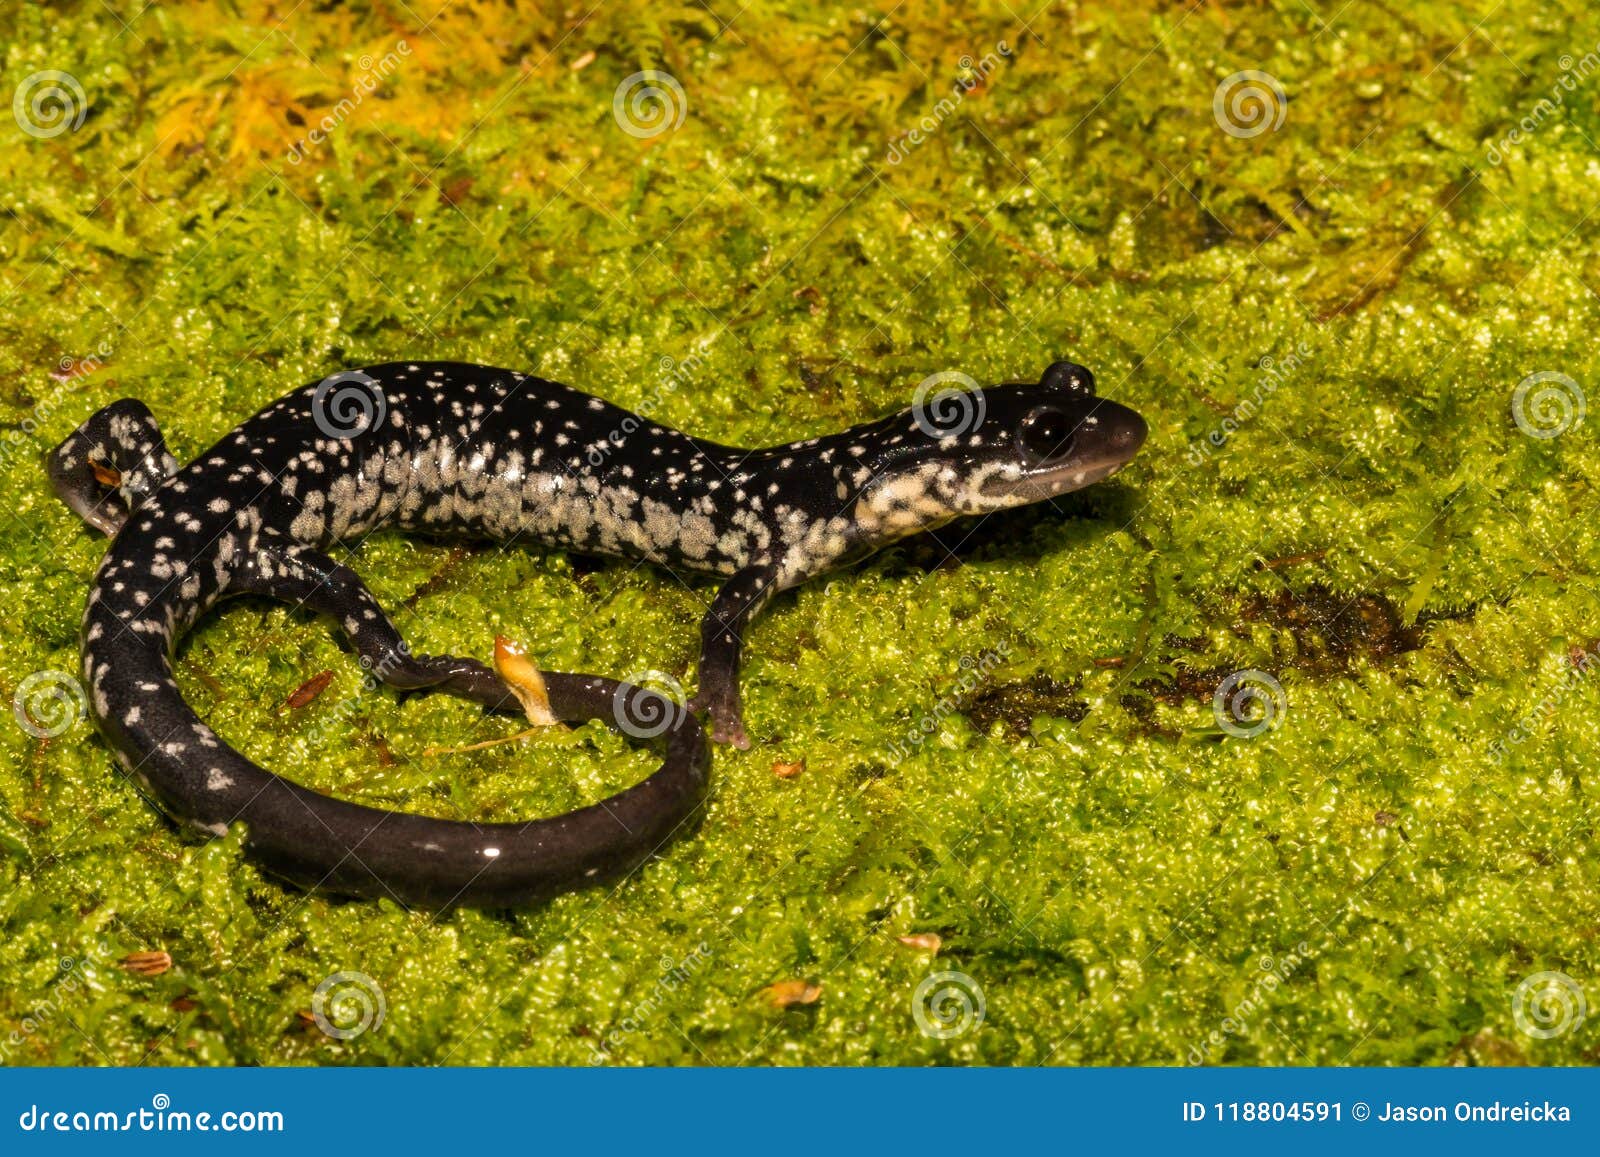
point(180, 557)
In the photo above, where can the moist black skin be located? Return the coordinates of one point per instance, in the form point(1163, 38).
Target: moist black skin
point(455, 449)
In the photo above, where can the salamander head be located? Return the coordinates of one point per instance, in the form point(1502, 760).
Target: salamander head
point(111, 464)
point(962, 451)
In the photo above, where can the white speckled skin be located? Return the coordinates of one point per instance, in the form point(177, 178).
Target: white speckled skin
point(456, 449)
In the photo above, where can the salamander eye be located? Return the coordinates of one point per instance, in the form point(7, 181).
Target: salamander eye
point(1045, 435)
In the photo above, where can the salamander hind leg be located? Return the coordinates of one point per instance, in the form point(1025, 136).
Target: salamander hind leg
point(311, 579)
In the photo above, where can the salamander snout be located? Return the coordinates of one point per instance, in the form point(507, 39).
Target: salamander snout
point(1124, 430)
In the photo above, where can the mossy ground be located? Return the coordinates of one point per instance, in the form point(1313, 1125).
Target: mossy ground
point(1096, 854)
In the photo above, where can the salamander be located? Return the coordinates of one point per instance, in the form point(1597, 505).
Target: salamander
point(452, 449)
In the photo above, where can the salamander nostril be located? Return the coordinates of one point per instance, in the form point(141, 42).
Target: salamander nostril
point(1046, 435)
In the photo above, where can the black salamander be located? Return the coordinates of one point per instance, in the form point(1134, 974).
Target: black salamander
point(451, 449)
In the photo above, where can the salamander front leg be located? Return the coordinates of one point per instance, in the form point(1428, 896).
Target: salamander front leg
point(311, 579)
point(721, 642)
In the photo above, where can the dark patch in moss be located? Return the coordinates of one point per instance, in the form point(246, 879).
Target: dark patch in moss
point(1331, 630)
point(1140, 701)
point(862, 772)
point(1018, 704)
point(1329, 634)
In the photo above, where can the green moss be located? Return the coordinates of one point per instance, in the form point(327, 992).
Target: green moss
point(1111, 876)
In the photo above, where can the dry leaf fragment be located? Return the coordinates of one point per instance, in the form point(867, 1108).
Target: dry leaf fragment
point(146, 963)
point(309, 690)
point(925, 941)
point(512, 664)
point(788, 993)
point(456, 191)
